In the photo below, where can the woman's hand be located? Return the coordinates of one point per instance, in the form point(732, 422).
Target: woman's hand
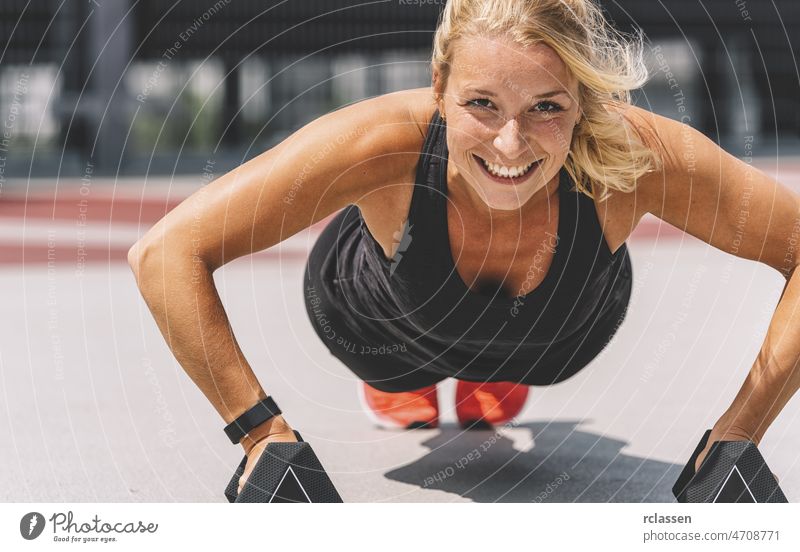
point(724, 433)
point(274, 431)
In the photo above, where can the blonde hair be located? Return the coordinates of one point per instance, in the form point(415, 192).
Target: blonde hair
point(606, 152)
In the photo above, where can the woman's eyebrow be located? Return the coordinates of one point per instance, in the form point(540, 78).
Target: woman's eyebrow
point(545, 95)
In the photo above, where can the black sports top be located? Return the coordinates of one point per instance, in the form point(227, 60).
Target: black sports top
point(418, 299)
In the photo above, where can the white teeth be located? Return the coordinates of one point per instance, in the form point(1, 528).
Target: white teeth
point(503, 171)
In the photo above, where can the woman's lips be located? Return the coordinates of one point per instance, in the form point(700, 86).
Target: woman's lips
point(509, 180)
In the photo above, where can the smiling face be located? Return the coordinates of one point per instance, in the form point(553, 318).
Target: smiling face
point(510, 112)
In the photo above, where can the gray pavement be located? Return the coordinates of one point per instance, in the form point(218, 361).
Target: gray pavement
point(95, 408)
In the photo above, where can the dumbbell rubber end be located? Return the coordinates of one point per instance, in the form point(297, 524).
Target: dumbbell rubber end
point(231, 491)
point(732, 471)
point(233, 485)
point(679, 488)
point(285, 472)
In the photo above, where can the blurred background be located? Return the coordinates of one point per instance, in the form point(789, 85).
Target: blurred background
point(159, 87)
point(114, 111)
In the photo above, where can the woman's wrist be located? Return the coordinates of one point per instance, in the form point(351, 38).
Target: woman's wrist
point(273, 426)
point(729, 428)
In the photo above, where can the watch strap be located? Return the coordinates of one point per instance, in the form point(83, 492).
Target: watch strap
point(254, 417)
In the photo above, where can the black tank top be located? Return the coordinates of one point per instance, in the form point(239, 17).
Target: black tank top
point(418, 299)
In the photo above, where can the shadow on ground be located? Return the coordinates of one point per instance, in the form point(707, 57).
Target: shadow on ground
point(564, 464)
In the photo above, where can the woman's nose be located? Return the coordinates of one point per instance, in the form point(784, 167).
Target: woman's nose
point(509, 142)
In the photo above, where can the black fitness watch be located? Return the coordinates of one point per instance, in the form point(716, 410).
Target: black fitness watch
point(254, 417)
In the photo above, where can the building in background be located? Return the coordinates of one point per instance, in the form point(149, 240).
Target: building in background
point(141, 87)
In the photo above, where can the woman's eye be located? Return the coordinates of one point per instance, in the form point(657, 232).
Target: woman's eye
point(475, 103)
point(548, 107)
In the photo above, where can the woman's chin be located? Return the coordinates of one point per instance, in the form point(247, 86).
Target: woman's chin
point(505, 198)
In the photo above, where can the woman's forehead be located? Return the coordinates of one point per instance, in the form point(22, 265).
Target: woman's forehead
point(485, 62)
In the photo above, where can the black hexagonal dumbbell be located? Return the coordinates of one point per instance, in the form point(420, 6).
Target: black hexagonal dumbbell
point(732, 471)
point(285, 472)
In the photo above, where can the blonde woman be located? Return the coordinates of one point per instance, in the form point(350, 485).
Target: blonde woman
point(481, 227)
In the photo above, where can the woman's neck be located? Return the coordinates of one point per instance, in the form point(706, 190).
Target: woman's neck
point(537, 210)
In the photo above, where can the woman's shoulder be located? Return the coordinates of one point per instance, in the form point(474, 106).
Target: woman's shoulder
point(410, 113)
point(421, 107)
point(405, 118)
point(406, 112)
point(673, 142)
point(662, 135)
point(399, 121)
point(622, 211)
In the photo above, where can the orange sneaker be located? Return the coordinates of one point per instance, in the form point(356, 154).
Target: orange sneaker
point(483, 405)
point(405, 410)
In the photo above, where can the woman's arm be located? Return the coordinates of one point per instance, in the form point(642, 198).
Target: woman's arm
point(729, 204)
point(184, 302)
point(323, 167)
